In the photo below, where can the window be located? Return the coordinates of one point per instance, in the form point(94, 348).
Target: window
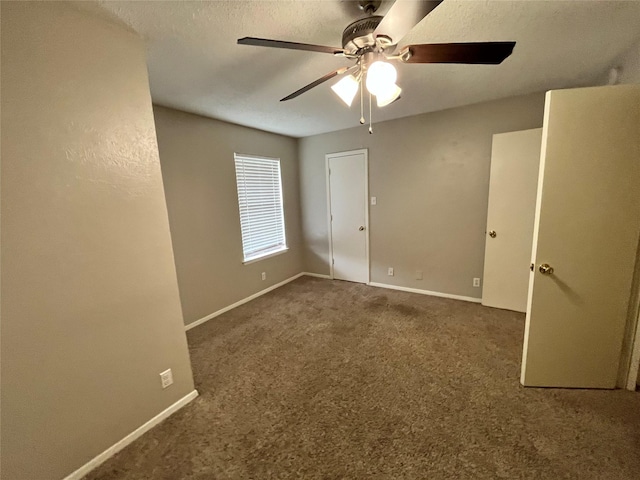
point(260, 202)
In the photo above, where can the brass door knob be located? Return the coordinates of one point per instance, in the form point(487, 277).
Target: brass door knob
point(361, 228)
point(545, 269)
point(492, 233)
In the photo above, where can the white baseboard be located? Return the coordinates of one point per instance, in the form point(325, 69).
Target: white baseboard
point(240, 302)
point(317, 275)
point(116, 447)
point(426, 292)
point(320, 275)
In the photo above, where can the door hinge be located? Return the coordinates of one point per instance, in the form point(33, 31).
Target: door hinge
point(333, 261)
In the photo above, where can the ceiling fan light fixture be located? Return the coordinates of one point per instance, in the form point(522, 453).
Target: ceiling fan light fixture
point(346, 89)
point(389, 96)
point(381, 76)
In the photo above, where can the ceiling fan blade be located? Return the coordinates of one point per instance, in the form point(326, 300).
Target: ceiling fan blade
point(265, 42)
point(487, 53)
point(323, 79)
point(403, 16)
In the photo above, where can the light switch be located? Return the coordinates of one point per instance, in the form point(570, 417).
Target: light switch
point(374, 201)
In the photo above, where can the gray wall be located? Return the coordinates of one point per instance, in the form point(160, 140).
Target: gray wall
point(90, 305)
point(198, 169)
point(430, 174)
point(630, 64)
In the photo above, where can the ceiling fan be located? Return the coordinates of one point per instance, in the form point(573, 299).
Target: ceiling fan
point(372, 42)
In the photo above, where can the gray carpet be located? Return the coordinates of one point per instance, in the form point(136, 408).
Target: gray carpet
point(333, 380)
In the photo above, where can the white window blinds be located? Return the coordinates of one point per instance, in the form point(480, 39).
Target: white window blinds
point(260, 202)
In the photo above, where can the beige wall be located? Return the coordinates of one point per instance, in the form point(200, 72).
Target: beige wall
point(430, 174)
point(90, 305)
point(198, 169)
point(629, 64)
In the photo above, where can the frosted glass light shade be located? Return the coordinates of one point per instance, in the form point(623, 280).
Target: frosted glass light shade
point(346, 89)
point(388, 96)
point(380, 77)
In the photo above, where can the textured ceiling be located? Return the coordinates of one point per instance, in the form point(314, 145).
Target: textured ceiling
point(196, 65)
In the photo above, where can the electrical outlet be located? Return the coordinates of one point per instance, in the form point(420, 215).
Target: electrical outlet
point(418, 274)
point(476, 282)
point(390, 272)
point(374, 201)
point(264, 275)
point(166, 378)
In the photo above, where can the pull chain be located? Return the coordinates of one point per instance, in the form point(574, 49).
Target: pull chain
point(370, 118)
point(361, 102)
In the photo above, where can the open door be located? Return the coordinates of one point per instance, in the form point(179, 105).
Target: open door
point(586, 233)
point(513, 184)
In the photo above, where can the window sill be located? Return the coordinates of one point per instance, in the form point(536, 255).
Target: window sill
point(268, 255)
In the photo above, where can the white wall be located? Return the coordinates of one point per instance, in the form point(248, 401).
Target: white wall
point(90, 305)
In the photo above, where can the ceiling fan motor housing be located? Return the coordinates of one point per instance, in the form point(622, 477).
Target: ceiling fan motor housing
point(359, 34)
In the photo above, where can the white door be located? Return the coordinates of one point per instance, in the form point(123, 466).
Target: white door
point(348, 215)
point(515, 161)
point(586, 228)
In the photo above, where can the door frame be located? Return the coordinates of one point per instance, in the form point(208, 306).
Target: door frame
point(634, 365)
point(328, 156)
point(633, 360)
